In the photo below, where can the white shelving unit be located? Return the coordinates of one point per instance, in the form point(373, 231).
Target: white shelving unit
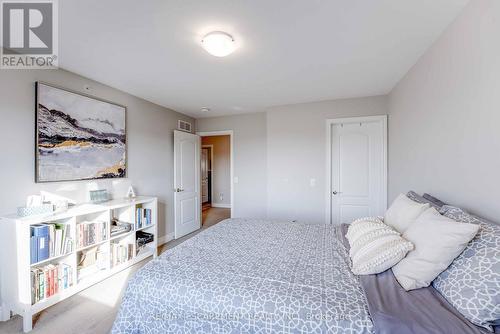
point(15, 255)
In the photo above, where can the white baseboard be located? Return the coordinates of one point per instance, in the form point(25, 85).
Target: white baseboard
point(4, 316)
point(166, 238)
point(220, 205)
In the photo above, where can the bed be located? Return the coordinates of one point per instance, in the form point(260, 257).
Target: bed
point(255, 276)
point(245, 275)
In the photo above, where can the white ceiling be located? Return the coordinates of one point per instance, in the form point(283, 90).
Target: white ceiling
point(290, 51)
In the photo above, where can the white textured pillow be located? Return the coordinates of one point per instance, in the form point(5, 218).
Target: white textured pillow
point(375, 247)
point(369, 231)
point(438, 241)
point(362, 226)
point(403, 212)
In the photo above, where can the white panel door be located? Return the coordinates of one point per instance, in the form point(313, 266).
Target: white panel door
point(358, 175)
point(186, 183)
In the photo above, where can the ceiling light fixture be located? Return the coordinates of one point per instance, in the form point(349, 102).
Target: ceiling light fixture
point(218, 43)
point(205, 109)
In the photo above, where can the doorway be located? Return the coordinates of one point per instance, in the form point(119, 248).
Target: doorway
point(207, 158)
point(357, 168)
point(216, 161)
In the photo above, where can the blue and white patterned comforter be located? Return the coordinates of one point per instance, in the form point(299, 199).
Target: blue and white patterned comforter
point(248, 276)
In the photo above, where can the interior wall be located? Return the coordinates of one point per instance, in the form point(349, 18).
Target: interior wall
point(221, 169)
point(296, 154)
point(444, 120)
point(149, 144)
point(249, 152)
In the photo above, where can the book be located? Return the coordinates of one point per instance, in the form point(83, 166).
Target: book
point(41, 284)
point(33, 285)
point(90, 233)
point(143, 217)
point(46, 282)
point(41, 232)
point(33, 249)
point(49, 280)
point(67, 242)
point(138, 218)
point(58, 242)
point(49, 240)
point(121, 253)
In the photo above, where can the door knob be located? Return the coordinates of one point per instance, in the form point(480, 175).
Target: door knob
point(178, 190)
point(336, 192)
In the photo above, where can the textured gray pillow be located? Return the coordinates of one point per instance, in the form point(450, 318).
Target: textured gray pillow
point(420, 199)
point(433, 199)
point(472, 282)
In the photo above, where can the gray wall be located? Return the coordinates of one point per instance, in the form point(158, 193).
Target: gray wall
point(150, 144)
point(296, 153)
point(444, 125)
point(277, 153)
point(221, 168)
point(250, 195)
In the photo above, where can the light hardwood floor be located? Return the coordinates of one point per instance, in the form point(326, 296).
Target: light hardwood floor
point(210, 217)
point(93, 311)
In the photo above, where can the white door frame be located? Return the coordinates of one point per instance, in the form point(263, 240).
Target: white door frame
point(229, 133)
point(329, 189)
point(212, 167)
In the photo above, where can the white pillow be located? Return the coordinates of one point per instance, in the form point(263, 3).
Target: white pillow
point(370, 231)
point(375, 247)
point(438, 241)
point(361, 226)
point(403, 212)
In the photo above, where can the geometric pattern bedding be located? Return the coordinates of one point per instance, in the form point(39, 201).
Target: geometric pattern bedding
point(472, 282)
point(248, 276)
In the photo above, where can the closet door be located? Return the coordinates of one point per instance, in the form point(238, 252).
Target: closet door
point(358, 168)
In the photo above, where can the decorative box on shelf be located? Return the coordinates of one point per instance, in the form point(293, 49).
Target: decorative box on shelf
point(98, 196)
point(75, 250)
point(24, 211)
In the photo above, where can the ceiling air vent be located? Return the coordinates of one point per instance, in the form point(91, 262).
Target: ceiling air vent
point(184, 126)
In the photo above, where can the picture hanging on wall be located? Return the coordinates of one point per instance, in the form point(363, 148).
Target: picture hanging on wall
point(78, 137)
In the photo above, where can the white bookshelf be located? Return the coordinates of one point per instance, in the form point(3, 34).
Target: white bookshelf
point(15, 255)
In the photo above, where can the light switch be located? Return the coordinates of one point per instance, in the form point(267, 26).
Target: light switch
point(235, 179)
point(312, 182)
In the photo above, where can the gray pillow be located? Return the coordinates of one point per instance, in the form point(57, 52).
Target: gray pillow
point(433, 199)
point(419, 199)
point(472, 282)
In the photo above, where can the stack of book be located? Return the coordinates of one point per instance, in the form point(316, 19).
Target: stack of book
point(91, 261)
point(121, 253)
point(90, 233)
point(143, 217)
point(49, 280)
point(49, 240)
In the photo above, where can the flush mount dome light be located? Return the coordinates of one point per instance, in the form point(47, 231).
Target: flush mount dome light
point(218, 43)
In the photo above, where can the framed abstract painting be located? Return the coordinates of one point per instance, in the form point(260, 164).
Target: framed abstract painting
point(78, 137)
